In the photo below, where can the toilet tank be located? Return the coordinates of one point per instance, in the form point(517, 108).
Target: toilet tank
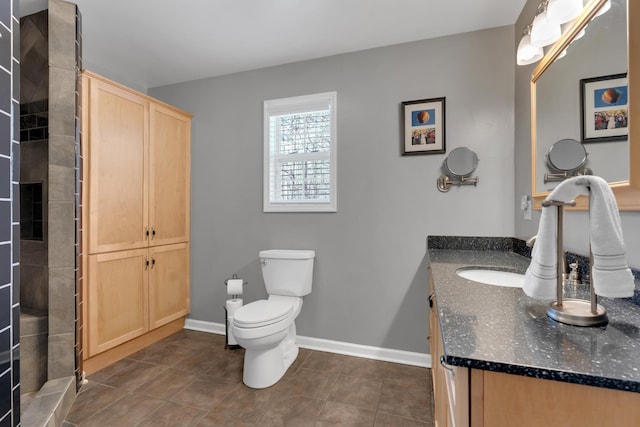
point(287, 272)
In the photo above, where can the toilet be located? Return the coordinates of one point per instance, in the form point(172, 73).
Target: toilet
point(266, 328)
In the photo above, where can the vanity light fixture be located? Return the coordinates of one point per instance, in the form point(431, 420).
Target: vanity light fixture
point(553, 18)
point(563, 11)
point(528, 54)
point(544, 30)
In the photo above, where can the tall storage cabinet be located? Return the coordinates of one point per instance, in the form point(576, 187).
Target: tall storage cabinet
point(136, 154)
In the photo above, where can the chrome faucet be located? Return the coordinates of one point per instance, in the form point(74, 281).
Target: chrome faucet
point(532, 241)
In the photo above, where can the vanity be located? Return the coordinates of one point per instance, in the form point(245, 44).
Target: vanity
point(498, 360)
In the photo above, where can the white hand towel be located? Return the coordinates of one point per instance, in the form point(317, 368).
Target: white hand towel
point(540, 279)
point(610, 274)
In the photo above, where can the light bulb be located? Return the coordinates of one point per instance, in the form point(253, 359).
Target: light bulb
point(544, 31)
point(561, 11)
point(528, 54)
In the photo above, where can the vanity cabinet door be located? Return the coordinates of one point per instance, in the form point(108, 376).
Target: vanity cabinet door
point(118, 297)
point(168, 283)
point(441, 411)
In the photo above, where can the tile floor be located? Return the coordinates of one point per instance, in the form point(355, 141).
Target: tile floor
point(189, 379)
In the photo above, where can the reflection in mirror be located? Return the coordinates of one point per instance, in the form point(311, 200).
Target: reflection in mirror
point(566, 158)
point(457, 169)
point(602, 51)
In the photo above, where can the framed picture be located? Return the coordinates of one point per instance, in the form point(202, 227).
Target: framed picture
point(423, 122)
point(605, 108)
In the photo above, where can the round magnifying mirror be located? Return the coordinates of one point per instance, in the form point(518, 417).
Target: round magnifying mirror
point(567, 155)
point(462, 161)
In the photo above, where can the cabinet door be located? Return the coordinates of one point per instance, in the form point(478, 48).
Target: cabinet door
point(169, 155)
point(117, 160)
point(168, 283)
point(118, 297)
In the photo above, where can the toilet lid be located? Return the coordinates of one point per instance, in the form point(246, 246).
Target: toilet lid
point(261, 313)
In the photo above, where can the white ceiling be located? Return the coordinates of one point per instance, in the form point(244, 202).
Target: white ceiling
point(160, 42)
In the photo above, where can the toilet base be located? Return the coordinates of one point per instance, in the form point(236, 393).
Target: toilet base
point(265, 367)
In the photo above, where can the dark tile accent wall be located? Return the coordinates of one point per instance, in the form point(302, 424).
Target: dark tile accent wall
point(9, 217)
point(34, 120)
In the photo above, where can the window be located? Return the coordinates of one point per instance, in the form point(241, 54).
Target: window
point(300, 154)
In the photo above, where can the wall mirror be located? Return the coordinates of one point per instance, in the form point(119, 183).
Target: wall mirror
point(566, 158)
point(556, 110)
point(457, 169)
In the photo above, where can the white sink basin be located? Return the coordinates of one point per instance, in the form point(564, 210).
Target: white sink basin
point(491, 276)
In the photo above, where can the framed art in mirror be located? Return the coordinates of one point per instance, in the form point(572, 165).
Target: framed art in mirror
point(604, 104)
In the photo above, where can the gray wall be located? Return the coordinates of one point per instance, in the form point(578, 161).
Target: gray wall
point(370, 282)
point(576, 223)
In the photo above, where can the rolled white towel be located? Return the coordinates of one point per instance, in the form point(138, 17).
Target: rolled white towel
point(611, 275)
point(540, 279)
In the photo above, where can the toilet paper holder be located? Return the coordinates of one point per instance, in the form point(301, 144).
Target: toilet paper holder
point(234, 286)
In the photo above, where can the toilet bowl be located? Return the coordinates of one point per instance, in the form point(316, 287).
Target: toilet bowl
point(266, 328)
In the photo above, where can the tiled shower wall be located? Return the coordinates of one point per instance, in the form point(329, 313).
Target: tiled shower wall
point(9, 215)
point(65, 252)
point(34, 160)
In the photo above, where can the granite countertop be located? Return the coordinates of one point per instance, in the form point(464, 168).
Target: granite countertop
point(501, 329)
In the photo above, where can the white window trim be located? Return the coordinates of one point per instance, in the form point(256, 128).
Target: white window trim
point(300, 104)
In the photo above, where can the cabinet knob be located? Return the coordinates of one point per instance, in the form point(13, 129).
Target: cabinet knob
point(153, 262)
point(153, 232)
point(146, 262)
point(146, 233)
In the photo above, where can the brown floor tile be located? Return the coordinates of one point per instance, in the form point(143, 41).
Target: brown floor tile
point(408, 376)
point(303, 353)
point(93, 400)
point(226, 366)
point(296, 411)
point(110, 370)
point(248, 405)
point(198, 361)
point(307, 382)
point(162, 354)
point(354, 391)
point(406, 402)
point(167, 383)
point(172, 415)
point(196, 339)
point(205, 393)
point(221, 419)
point(335, 413)
point(134, 376)
point(387, 420)
point(321, 361)
point(127, 411)
point(364, 368)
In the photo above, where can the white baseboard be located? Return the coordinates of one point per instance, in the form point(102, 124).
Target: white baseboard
point(339, 347)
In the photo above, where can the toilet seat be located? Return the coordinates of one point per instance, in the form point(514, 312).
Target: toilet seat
point(262, 313)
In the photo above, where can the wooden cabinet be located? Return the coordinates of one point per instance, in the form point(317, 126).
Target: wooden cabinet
point(136, 153)
point(169, 271)
point(117, 156)
point(480, 398)
point(450, 383)
point(168, 176)
point(118, 298)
